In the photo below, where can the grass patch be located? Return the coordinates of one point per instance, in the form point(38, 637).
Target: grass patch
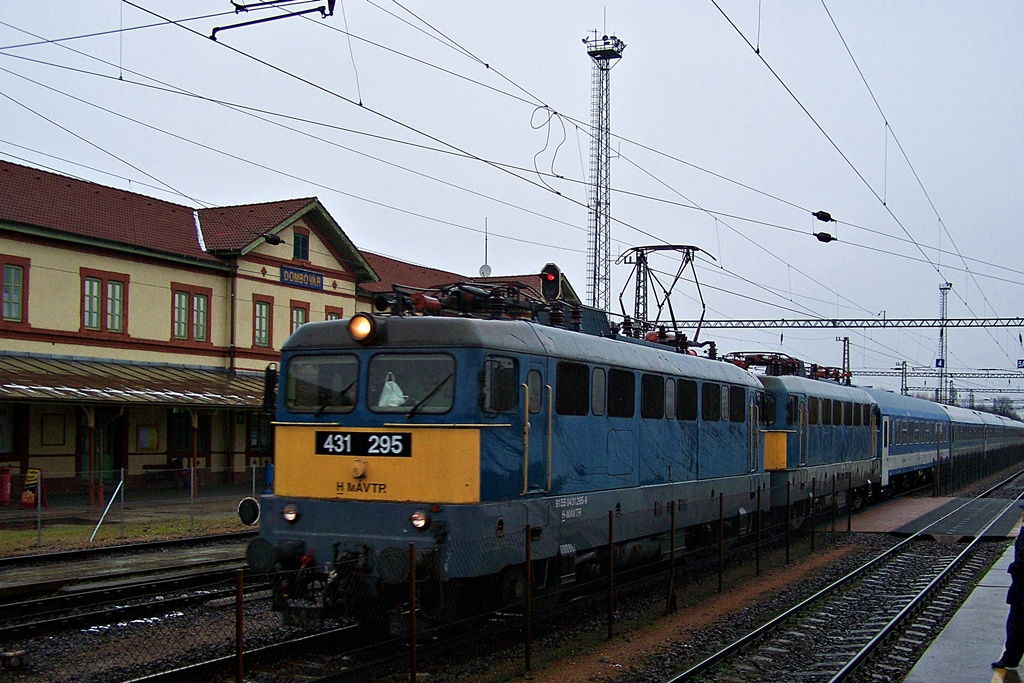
point(69, 536)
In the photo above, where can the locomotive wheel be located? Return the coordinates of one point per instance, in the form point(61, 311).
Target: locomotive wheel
point(512, 585)
point(513, 591)
point(439, 600)
point(798, 515)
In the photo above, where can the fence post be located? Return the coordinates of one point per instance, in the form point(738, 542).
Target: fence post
point(758, 562)
point(671, 605)
point(192, 501)
point(789, 515)
point(611, 570)
point(849, 503)
point(811, 507)
point(528, 596)
point(721, 538)
point(239, 649)
point(39, 509)
point(833, 509)
point(121, 500)
point(412, 613)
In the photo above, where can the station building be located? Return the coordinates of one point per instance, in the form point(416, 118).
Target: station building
point(136, 332)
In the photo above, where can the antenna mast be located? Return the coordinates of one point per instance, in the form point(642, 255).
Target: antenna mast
point(605, 51)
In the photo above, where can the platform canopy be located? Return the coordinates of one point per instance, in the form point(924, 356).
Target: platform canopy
point(76, 380)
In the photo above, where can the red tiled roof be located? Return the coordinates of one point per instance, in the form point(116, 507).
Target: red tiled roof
point(234, 227)
point(37, 198)
point(395, 272)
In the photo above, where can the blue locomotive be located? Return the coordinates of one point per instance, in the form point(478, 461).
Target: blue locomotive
point(458, 432)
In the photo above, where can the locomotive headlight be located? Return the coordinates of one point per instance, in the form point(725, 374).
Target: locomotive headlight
point(290, 513)
point(420, 520)
point(363, 328)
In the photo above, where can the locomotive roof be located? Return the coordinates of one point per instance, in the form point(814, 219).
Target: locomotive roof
point(518, 337)
point(814, 387)
point(898, 405)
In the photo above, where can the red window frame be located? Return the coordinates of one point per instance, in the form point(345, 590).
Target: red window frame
point(105, 277)
point(25, 265)
point(269, 300)
point(192, 291)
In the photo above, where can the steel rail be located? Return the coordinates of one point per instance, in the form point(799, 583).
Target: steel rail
point(759, 633)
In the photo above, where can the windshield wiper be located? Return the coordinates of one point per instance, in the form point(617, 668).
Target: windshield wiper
point(330, 401)
point(429, 396)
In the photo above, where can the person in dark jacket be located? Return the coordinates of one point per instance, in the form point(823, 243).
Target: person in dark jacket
point(1013, 650)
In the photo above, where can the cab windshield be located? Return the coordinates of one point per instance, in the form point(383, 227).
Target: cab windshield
point(318, 384)
point(411, 383)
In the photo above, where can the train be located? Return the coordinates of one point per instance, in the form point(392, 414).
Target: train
point(455, 432)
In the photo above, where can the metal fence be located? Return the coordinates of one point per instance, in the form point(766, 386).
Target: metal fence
point(39, 511)
point(233, 627)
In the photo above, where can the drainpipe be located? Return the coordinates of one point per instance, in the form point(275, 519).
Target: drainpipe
point(90, 422)
point(234, 314)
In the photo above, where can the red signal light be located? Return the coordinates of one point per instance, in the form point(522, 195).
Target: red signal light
point(551, 282)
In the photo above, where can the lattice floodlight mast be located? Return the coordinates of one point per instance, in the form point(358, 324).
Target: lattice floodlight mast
point(943, 394)
point(605, 51)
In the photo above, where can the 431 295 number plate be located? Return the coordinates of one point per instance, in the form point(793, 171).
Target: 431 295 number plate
point(390, 444)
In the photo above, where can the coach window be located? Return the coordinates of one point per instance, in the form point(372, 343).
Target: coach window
point(621, 391)
point(597, 391)
point(572, 389)
point(652, 397)
point(711, 402)
point(533, 385)
point(686, 399)
point(813, 410)
point(737, 404)
point(500, 384)
point(670, 398)
point(826, 411)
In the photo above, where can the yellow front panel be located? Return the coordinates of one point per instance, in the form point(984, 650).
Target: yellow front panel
point(775, 451)
point(444, 466)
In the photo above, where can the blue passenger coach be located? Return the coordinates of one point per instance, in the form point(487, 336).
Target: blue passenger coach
point(914, 436)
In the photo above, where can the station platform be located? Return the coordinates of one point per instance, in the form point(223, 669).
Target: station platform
point(973, 639)
point(953, 520)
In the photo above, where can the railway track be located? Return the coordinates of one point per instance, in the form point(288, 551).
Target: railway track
point(882, 611)
point(9, 561)
point(136, 598)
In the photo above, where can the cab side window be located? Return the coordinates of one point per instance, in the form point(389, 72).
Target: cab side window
point(572, 389)
point(621, 393)
point(500, 385)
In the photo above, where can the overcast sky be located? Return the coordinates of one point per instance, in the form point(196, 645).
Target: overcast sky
point(420, 124)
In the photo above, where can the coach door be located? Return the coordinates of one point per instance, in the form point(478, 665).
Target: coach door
point(755, 437)
point(537, 415)
point(803, 434)
point(886, 440)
